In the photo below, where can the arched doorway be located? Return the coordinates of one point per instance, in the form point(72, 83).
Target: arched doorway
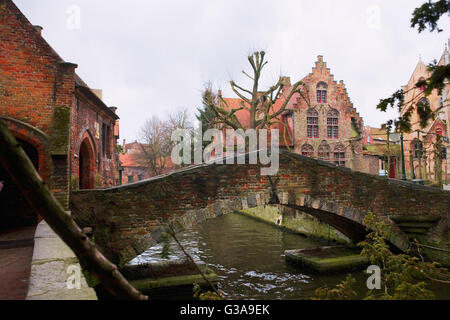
point(14, 209)
point(86, 165)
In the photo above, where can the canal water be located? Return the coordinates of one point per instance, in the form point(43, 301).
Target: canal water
point(248, 257)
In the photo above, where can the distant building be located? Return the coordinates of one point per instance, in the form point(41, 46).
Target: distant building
point(377, 152)
point(130, 161)
point(133, 166)
point(419, 144)
point(65, 128)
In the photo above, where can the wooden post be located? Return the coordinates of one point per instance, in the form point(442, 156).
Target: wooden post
point(14, 160)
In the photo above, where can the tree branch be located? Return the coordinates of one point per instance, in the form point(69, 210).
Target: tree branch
point(19, 167)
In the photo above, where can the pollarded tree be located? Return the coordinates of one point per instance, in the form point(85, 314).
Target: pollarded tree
point(259, 104)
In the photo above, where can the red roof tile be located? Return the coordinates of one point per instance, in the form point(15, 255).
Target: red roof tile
point(244, 116)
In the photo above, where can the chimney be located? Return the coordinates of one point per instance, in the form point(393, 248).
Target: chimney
point(219, 93)
point(98, 93)
point(286, 81)
point(38, 29)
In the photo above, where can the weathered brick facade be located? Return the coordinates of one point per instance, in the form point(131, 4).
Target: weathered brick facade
point(337, 102)
point(49, 108)
point(424, 164)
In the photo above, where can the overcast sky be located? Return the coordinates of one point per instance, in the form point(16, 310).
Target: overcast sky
point(153, 57)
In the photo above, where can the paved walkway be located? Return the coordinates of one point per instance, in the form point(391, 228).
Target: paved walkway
point(53, 264)
point(16, 251)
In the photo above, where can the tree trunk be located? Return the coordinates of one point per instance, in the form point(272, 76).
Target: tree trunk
point(19, 167)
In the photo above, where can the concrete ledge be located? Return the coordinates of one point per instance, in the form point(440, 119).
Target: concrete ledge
point(327, 259)
point(148, 284)
point(49, 269)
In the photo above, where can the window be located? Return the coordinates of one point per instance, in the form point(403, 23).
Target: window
point(422, 88)
point(307, 150)
point(322, 92)
point(444, 153)
point(333, 124)
point(130, 179)
point(339, 156)
point(324, 151)
point(312, 123)
point(417, 148)
point(140, 177)
point(106, 146)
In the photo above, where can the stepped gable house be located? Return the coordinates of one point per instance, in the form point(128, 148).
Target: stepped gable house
point(67, 131)
point(328, 128)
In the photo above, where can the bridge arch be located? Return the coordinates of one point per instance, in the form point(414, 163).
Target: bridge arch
point(14, 210)
point(128, 219)
point(35, 138)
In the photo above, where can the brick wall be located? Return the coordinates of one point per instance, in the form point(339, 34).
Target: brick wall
point(46, 104)
point(34, 82)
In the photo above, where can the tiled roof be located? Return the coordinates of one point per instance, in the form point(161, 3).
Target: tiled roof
point(132, 159)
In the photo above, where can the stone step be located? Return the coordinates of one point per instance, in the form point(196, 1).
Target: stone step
point(425, 225)
point(415, 230)
point(414, 218)
point(327, 259)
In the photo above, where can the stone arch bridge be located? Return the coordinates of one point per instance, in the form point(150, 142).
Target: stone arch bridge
point(127, 220)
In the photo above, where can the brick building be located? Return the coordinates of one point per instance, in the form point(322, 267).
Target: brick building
point(131, 168)
point(132, 163)
point(376, 152)
point(419, 143)
point(65, 128)
point(328, 128)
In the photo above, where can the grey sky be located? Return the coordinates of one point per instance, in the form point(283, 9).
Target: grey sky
point(151, 57)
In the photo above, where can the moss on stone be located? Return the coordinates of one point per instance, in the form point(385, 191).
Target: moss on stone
point(59, 132)
point(300, 223)
point(335, 260)
point(74, 183)
point(148, 284)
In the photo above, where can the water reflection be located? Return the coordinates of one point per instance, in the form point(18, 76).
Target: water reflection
point(248, 257)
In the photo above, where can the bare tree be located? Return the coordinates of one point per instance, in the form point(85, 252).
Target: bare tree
point(259, 104)
point(156, 143)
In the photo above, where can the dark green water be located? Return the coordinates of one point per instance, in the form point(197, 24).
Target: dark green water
point(248, 256)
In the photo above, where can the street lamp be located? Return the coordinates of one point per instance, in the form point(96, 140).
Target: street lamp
point(403, 158)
